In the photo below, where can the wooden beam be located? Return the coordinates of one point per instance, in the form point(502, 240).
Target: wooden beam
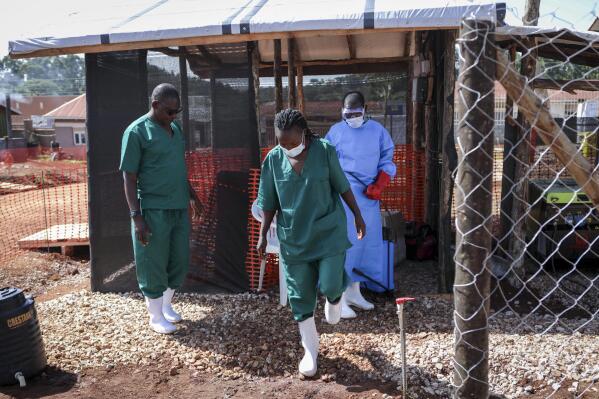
point(566, 85)
point(431, 186)
point(449, 160)
point(254, 103)
point(510, 136)
point(291, 88)
point(351, 46)
point(300, 90)
point(473, 199)
point(168, 51)
point(341, 62)
point(212, 110)
point(184, 98)
point(277, 76)
point(203, 40)
point(535, 111)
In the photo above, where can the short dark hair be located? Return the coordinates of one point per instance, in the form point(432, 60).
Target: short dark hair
point(165, 91)
point(287, 118)
point(356, 94)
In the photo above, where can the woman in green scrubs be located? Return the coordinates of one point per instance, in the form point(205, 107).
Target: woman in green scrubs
point(302, 182)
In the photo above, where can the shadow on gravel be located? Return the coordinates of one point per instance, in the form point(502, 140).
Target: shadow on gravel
point(52, 381)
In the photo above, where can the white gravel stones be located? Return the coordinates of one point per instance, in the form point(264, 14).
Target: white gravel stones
point(250, 335)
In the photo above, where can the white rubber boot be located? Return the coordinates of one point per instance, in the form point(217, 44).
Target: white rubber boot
point(157, 320)
point(354, 297)
point(167, 309)
point(307, 366)
point(332, 312)
point(346, 311)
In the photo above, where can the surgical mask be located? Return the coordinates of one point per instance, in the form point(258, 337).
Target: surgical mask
point(294, 152)
point(354, 122)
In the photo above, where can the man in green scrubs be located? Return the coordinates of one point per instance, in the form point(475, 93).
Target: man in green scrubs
point(158, 194)
point(302, 182)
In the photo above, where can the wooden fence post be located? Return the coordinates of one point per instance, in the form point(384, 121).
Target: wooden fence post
point(475, 103)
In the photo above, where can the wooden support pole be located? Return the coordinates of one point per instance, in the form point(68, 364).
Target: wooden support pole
point(277, 76)
point(448, 164)
point(534, 110)
point(510, 136)
point(212, 110)
point(474, 177)
point(431, 185)
point(292, 96)
point(184, 98)
point(300, 90)
point(254, 103)
point(521, 152)
point(415, 106)
point(8, 116)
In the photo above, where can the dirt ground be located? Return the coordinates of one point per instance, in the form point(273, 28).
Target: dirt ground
point(156, 382)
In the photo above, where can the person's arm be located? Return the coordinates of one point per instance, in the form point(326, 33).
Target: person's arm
point(386, 167)
point(131, 153)
point(350, 200)
point(268, 201)
point(142, 230)
point(266, 221)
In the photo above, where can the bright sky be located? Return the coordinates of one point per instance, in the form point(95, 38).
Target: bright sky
point(25, 18)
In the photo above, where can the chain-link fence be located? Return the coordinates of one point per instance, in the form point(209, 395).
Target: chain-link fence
point(530, 277)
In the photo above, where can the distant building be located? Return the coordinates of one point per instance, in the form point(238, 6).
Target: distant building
point(69, 126)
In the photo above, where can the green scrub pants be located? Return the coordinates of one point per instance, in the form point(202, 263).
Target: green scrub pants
point(163, 263)
point(303, 280)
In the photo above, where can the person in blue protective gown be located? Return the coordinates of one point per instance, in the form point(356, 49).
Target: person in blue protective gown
point(303, 183)
point(365, 150)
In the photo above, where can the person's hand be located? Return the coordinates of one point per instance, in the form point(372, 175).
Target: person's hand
point(261, 247)
point(374, 192)
point(360, 227)
point(142, 230)
point(196, 208)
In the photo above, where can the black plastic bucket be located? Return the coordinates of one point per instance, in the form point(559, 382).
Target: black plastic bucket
point(21, 345)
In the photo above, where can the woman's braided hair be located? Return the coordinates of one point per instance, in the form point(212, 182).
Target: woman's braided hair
point(287, 118)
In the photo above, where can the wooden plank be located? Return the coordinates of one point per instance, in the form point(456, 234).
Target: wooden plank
point(61, 235)
point(291, 88)
point(476, 95)
point(277, 76)
point(431, 186)
point(205, 40)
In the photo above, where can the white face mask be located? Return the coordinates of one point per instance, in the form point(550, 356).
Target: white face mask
point(356, 122)
point(294, 152)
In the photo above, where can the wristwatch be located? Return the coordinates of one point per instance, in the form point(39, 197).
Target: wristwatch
point(135, 213)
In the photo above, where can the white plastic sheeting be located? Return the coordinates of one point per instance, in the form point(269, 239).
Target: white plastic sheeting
point(81, 23)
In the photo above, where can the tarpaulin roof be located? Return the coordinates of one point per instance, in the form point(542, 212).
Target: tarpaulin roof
point(111, 25)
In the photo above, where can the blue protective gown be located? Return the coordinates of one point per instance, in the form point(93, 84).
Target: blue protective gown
point(363, 152)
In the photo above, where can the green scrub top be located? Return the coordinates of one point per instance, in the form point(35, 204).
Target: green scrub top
point(159, 162)
point(311, 222)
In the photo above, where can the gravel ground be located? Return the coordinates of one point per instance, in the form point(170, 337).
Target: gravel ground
point(249, 336)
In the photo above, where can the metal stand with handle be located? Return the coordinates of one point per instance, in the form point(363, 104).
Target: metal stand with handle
point(400, 302)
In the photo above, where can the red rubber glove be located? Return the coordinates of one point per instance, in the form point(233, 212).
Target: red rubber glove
point(375, 190)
